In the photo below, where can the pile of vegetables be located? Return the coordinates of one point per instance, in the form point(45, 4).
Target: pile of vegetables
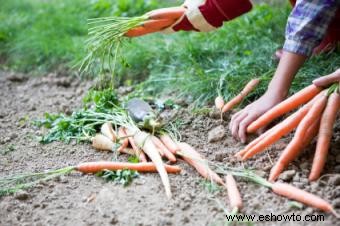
point(108, 125)
point(315, 118)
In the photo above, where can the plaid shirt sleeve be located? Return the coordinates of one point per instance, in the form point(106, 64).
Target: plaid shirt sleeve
point(307, 24)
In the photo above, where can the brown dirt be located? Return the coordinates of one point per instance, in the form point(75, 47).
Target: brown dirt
point(78, 199)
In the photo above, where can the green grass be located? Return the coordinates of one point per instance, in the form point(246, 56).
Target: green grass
point(39, 36)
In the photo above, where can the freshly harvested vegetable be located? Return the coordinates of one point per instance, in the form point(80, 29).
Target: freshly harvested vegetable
point(123, 139)
point(169, 143)
point(295, 146)
point(144, 141)
point(234, 195)
point(325, 134)
point(108, 33)
point(139, 153)
point(285, 190)
point(148, 27)
point(302, 196)
point(167, 153)
point(108, 131)
point(311, 133)
point(139, 31)
point(94, 167)
point(219, 102)
point(12, 184)
point(173, 13)
point(238, 99)
point(102, 143)
point(284, 107)
point(158, 24)
point(191, 156)
point(274, 134)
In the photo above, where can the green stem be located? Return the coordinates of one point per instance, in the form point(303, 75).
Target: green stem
point(15, 183)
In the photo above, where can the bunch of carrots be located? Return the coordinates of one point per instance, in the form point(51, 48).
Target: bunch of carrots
point(157, 20)
point(315, 118)
point(107, 33)
point(154, 147)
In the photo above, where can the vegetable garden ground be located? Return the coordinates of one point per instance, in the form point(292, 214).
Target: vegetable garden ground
point(41, 46)
point(87, 200)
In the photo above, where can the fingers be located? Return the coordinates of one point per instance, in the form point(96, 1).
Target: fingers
point(233, 119)
point(236, 122)
point(328, 79)
point(242, 130)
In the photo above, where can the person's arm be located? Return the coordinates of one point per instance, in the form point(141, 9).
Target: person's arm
point(289, 65)
point(208, 15)
point(307, 25)
point(276, 92)
point(305, 28)
point(192, 15)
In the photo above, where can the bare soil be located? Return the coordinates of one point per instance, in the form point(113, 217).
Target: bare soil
point(78, 199)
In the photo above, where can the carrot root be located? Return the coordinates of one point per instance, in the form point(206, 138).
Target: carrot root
point(325, 134)
point(234, 195)
point(250, 86)
point(285, 106)
point(299, 195)
point(94, 167)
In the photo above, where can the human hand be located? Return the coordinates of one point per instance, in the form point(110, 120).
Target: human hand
point(328, 79)
point(242, 119)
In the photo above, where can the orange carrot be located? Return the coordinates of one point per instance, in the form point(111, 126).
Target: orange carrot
point(325, 134)
point(219, 102)
point(191, 156)
point(299, 195)
point(285, 106)
point(252, 144)
point(123, 139)
point(169, 143)
point(144, 141)
point(158, 24)
point(234, 195)
point(139, 153)
point(278, 131)
point(295, 146)
point(168, 154)
point(167, 13)
point(139, 31)
point(108, 131)
point(236, 100)
point(311, 133)
point(94, 167)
